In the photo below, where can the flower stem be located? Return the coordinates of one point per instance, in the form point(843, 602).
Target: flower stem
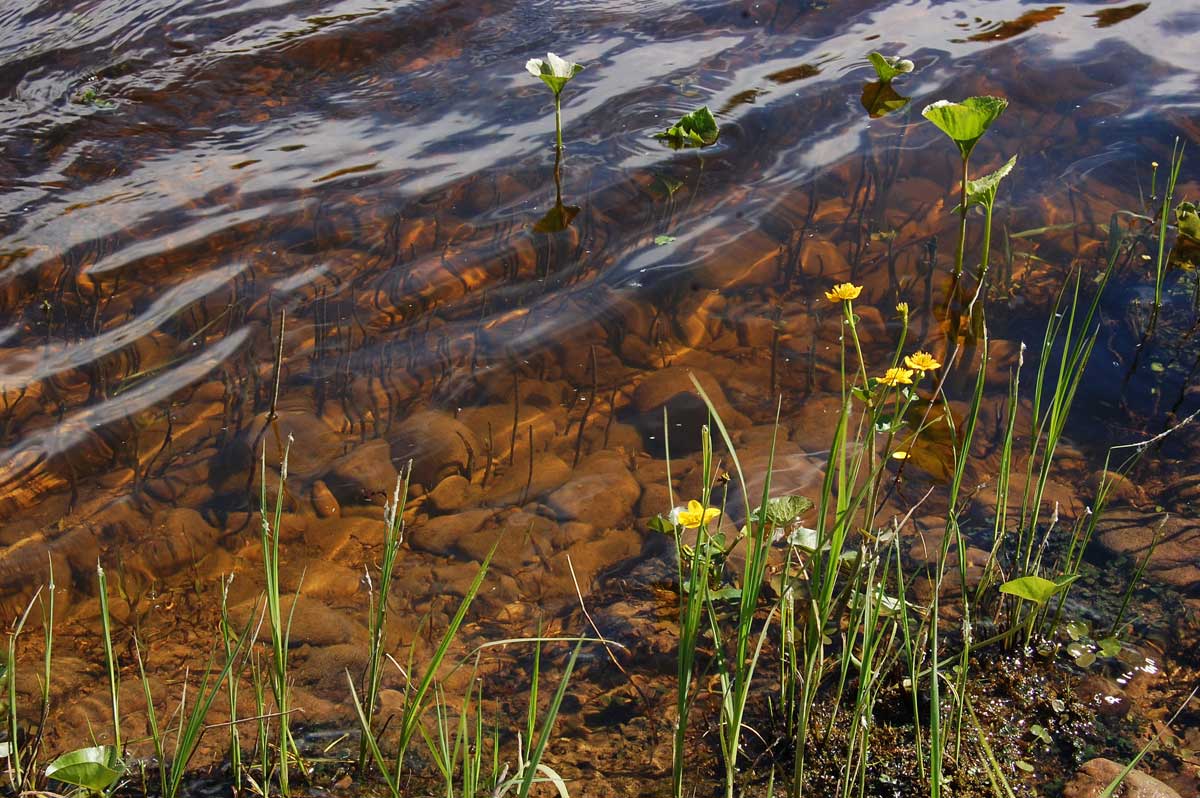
point(558, 121)
point(962, 226)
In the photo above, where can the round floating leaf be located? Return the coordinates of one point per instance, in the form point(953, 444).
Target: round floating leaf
point(967, 121)
point(93, 769)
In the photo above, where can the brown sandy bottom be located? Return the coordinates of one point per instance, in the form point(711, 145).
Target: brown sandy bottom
point(525, 375)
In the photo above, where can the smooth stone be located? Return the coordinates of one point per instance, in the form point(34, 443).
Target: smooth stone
point(443, 534)
point(365, 475)
point(520, 540)
point(603, 494)
point(314, 444)
point(1094, 776)
point(324, 503)
point(549, 472)
point(438, 445)
point(453, 493)
point(1176, 558)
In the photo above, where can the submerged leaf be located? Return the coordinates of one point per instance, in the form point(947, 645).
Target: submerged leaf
point(663, 240)
point(557, 218)
point(889, 67)
point(94, 769)
point(967, 121)
point(880, 99)
point(697, 129)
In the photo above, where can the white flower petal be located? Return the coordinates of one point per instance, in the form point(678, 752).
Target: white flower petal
point(534, 67)
point(675, 513)
point(560, 67)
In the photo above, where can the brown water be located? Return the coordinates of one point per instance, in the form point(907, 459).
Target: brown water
point(179, 176)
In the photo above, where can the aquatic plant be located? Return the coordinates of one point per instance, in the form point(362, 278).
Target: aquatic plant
point(556, 73)
point(279, 627)
point(695, 129)
point(965, 123)
point(377, 611)
point(879, 97)
point(888, 68)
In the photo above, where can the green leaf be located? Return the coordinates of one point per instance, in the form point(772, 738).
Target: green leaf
point(1077, 629)
point(1187, 217)
point(93, 769)
point(967, 121)
point(697, 129)
point(1110, 646)
point(807, 539)
point(983, 190)
point(662, 525)
point(663, 240)
point(1033, 588)
point(1039, 731)
point(888, 67)
point(784, 510)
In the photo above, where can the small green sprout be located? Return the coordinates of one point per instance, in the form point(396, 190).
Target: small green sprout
point(888, 68)
point(697, 129)
point(556, 73)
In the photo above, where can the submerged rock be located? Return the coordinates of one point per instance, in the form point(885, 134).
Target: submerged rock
point(603, 492)
point(1176, 557)
point(1095, 775)
point(438, 445)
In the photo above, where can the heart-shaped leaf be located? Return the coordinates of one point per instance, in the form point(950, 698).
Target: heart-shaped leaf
point(967, 121)
point(697, 129)
point(93, 769)
point(1034, 588)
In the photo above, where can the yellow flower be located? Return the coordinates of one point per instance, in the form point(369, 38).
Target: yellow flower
point(922, 362)
point(694, 515)
point(843, 292)
point(896, 377)
point(902, 309)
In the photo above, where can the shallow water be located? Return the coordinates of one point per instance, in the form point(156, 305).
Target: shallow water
point(181, 180)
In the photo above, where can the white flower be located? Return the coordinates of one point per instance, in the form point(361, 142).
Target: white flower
point(555, 71)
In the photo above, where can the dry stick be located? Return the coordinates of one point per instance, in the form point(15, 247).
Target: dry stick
point(612, 413)
point(512, 441)
point(586, 410)
point(529, 478)
point(487, 468)
point(278, 366)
